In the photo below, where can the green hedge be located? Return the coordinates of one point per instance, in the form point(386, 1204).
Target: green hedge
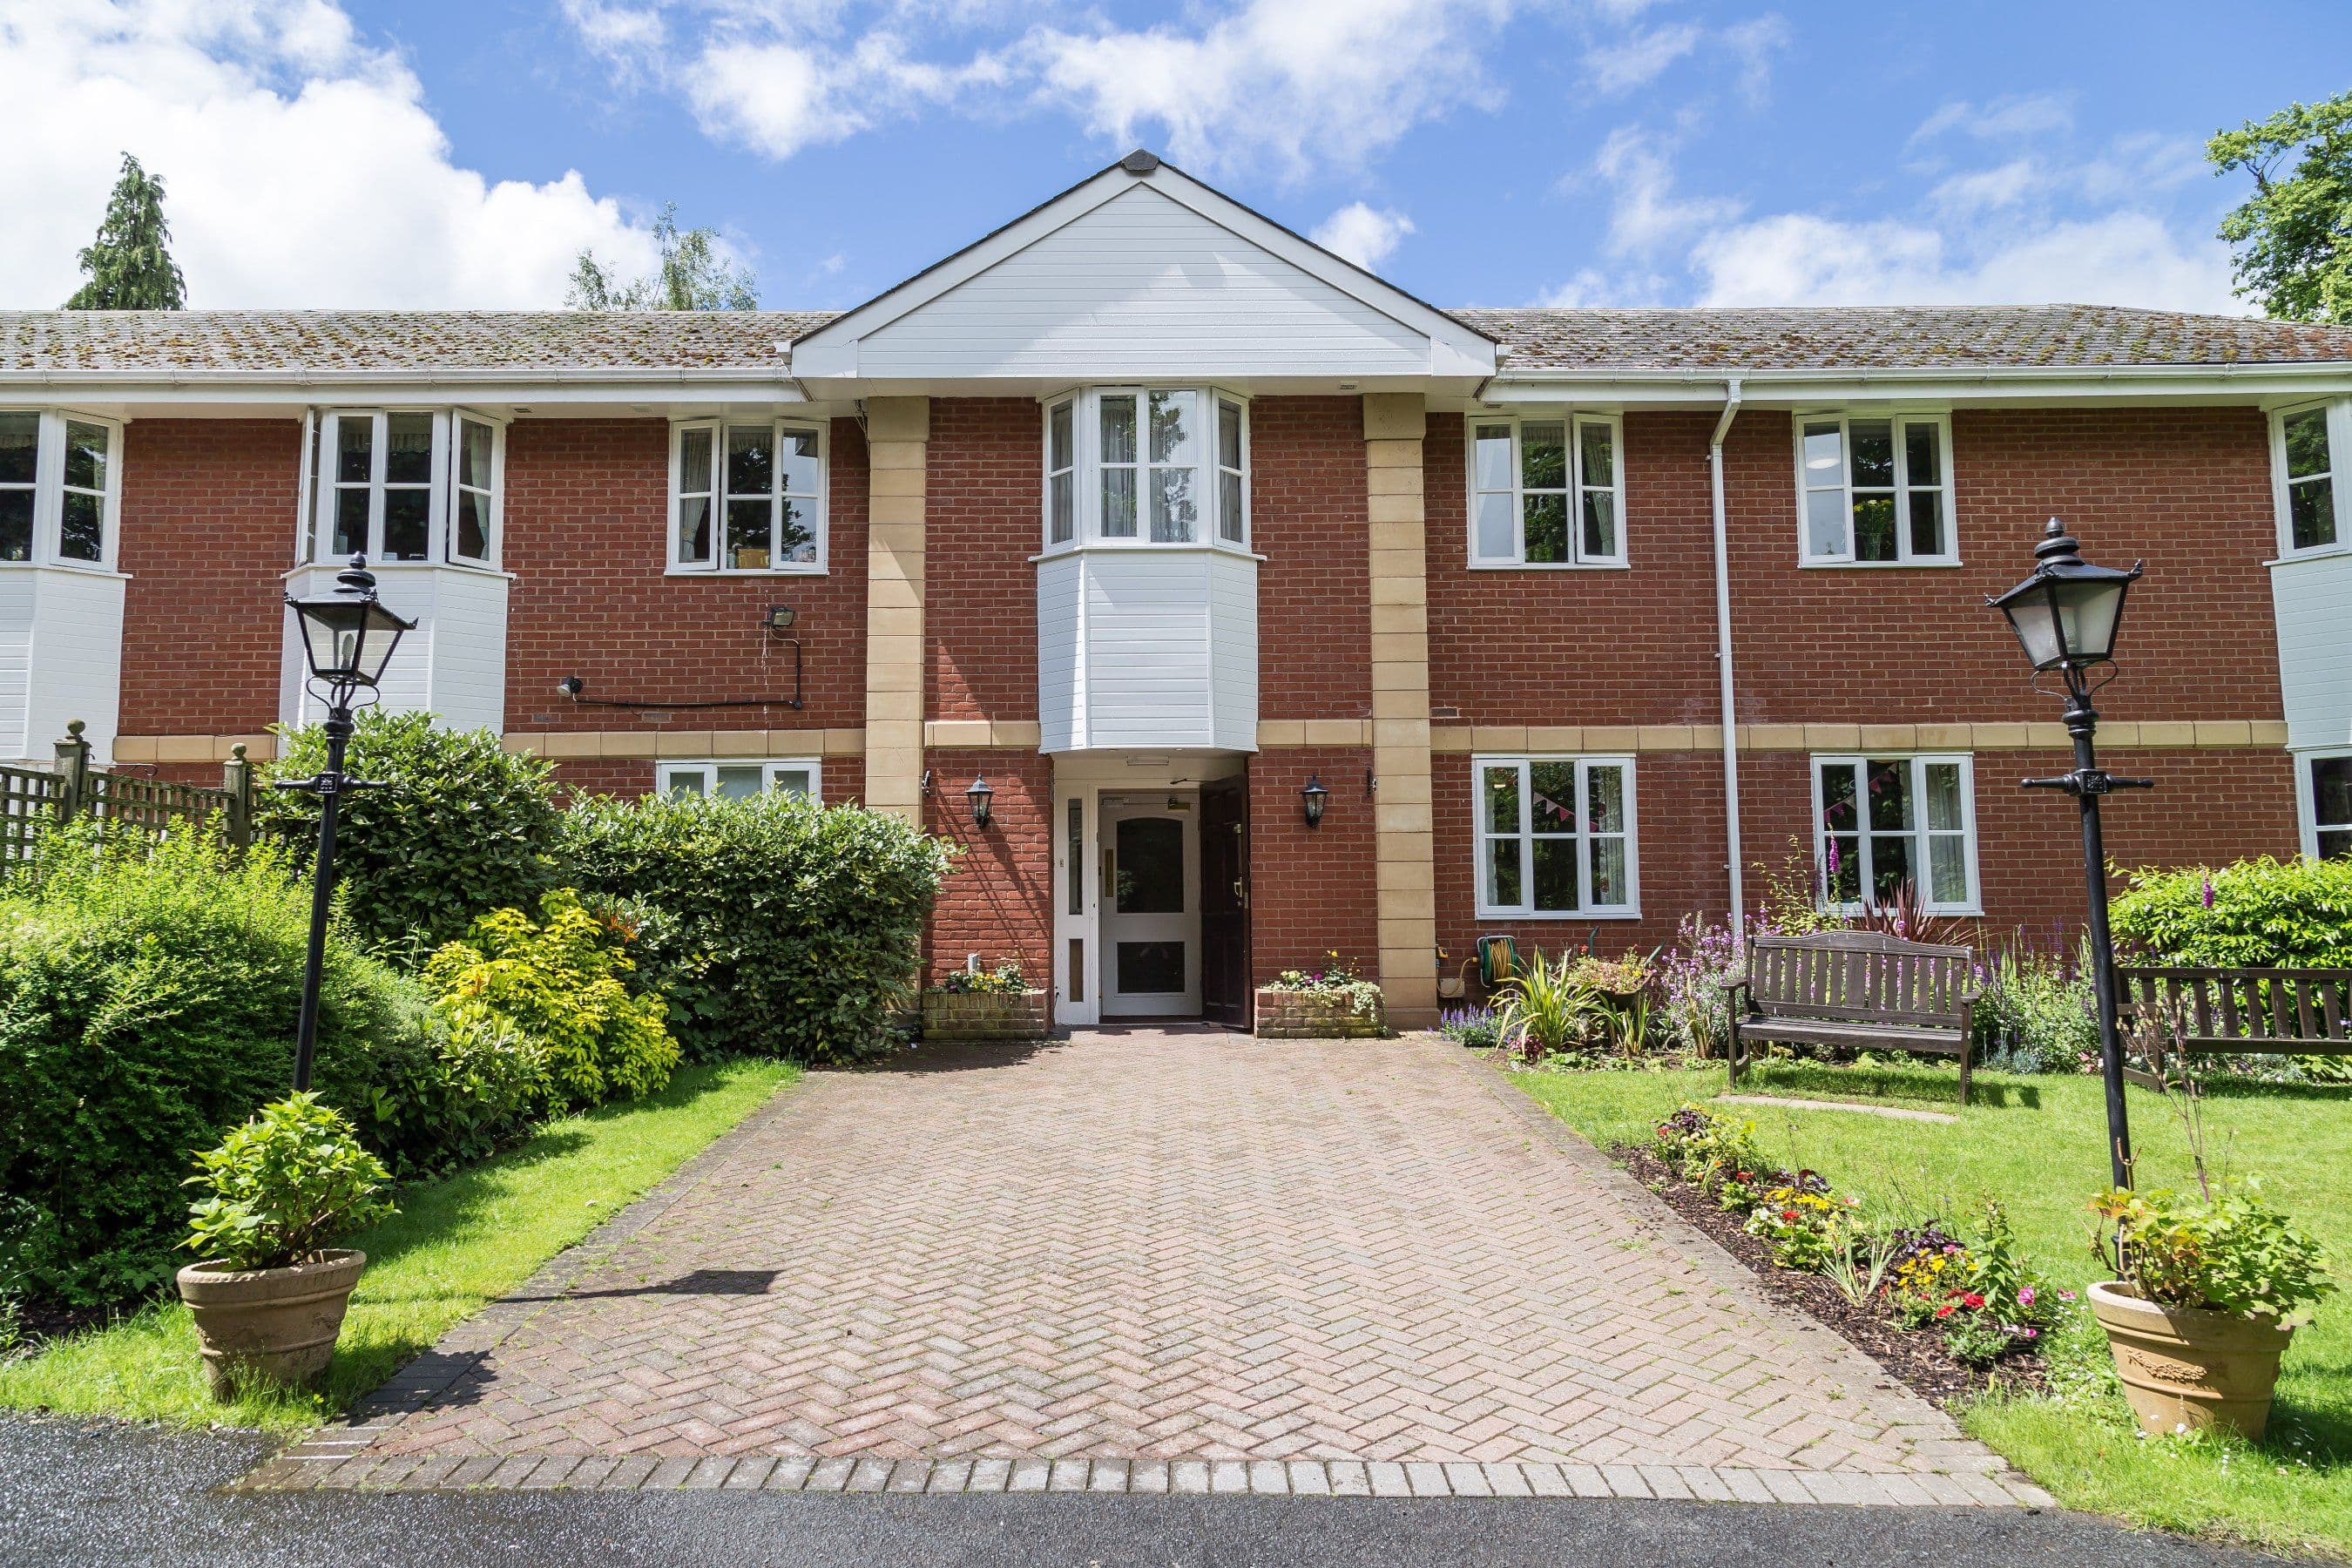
point(2256, 914)
point(149, 994)
point(776, 926)
point(464, 827)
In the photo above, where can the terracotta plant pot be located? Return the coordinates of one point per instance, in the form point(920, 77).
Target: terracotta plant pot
point(274, 1324)
point(2183, 1367)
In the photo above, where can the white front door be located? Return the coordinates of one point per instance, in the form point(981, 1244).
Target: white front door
point(1150, 905)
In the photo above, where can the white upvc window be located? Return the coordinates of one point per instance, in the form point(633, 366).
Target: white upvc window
point(403, 485)
point(1547, 490)
point(1881, 823)
point(2312, 492)
point(1146, 466)
point(1555, 837)
point(60, 488)
point(2326, 786)
point(739, 780)
point(1875, 489)
point(748, 495)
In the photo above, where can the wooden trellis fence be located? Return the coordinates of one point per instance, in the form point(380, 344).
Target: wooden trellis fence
point(31, 799)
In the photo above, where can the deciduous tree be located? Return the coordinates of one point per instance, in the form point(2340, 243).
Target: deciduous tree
point(2294, 237)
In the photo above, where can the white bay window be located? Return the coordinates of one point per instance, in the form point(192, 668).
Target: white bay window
point(1555, 837)
point(60, 488)
point(1876, 491)
point(1546, 491)
point(2313, 492)
point(1885, 824)
point(746, 496)
point(1147, 466)
point(405, 487)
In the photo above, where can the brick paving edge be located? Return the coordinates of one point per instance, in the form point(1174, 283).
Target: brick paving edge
point(1195, 1476)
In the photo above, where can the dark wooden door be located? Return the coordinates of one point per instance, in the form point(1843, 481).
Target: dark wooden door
point(1225, 993)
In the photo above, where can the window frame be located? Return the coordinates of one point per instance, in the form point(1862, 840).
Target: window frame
point(1087, 468)
point(1898, 418)
point(322, 433)
point(2339, 413)
point(1920, 833)
point(665, 770)
point(46, 547)
point(822, 501)
point(1574, 488)
point(2306, 796)
point(1482, 835)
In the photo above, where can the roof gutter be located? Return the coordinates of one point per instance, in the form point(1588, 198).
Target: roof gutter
point(1731, 398)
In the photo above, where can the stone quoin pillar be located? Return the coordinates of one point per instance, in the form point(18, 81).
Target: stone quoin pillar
point(897, 431)
point(1403, 830)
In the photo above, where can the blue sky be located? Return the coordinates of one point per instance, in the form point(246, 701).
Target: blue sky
point(454, 153)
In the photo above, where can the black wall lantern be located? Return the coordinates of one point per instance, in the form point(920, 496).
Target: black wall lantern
point(2066, 616)
point(980, 796)
point(1314, 797)
point(347, 639)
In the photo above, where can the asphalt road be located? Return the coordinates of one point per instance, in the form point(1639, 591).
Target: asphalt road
point(97, 1492)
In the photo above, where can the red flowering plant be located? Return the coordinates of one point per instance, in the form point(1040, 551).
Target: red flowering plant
point(1984, 1301)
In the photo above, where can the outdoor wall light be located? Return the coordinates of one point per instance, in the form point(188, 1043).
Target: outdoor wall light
point(2066, 616)
point(780, 618)
point(981, 795)
point(1314, 797)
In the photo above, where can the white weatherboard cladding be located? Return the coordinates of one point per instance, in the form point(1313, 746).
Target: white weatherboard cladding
point(453, 666)
point(2314, 601)
point(60, 659)
point(1143, 286)
point(1147, 648)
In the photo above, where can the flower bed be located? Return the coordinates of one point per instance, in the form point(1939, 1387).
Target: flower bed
point(1938, 1309)
point(985, 1005)
point(1334, 1002)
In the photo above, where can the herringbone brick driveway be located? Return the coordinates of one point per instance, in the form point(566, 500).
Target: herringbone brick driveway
point(1157, 1245)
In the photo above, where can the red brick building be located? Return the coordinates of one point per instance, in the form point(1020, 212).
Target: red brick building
point(1155, 517)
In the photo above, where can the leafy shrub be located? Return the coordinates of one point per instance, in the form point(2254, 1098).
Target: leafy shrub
point(2036, 1014)
point(2265, 913)
point(1547, 1007)
point(149, 994)
point(1697, 975)
point(2225, 1252)
point(1475, 1028)
point(464, 827)
point(553, 985)
point(1714, 1152)
point(1004, 980)
point(791, 930)
point(284, 1187)
point(1805, 1228)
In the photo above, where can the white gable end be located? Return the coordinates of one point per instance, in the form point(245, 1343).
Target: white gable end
point(1143, 287)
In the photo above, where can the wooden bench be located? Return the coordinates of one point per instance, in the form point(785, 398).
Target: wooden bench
point(2238, 1012)
point(1855, 988)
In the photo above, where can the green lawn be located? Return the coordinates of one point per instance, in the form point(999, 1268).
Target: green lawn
point(455, 1244)
point(2038, 1144)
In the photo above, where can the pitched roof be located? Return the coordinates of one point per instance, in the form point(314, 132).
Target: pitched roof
point(1598, 340)
point(520, 340)
point(1896, 337)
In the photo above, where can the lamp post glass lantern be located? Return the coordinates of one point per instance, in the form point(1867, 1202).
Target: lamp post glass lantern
point(348, 638)
point(2066, 616)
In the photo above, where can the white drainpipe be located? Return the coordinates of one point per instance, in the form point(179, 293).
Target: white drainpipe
point(1723, 656)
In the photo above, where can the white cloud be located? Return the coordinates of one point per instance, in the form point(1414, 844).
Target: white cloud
point(1641, 58)
point(2118, 258)
point(1648, 214)
point(2019, 114)
point(1362, 234)
point(302, 167)
point(1282, 85)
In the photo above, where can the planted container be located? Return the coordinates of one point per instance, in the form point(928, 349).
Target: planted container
point(270, 1325)
point(2183, 1367)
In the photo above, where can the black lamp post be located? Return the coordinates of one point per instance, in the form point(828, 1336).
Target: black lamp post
point(346, 640)
point(2066, 616)
point(1313, 797)
point(983, 799)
